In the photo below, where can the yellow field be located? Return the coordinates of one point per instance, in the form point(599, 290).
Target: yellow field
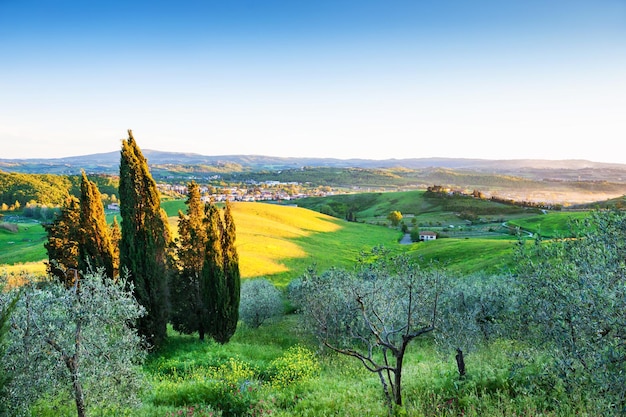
point(16, 273)
point(265, 234)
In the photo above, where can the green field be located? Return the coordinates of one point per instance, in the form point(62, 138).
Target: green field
point(551, 225)
point(468, 256)
point(24, 246)
point(280, 242)
point(426, 208)
point(191, 378)
point(273, 241)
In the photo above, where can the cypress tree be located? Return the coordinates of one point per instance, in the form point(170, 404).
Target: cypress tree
point(95, 249)
point(116, 235)
point(145, 240)
point(213, 283)
point(63, 241)
point(189, 307)
point(232, 276)
point(221, 276)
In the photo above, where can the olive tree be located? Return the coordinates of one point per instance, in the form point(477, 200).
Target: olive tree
point(475, 311)
point(372, 313)
point(79, 341)
point(8, 301)
point(260, 301)
point(573, 304)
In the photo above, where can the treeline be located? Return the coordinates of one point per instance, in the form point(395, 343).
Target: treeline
point(195, 277)
point(470, 205)
point(538, 205)
point(48, 189)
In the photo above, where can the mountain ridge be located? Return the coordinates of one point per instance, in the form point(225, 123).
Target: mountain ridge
point(109, 162)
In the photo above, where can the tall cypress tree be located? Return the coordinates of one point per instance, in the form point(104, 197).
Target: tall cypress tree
point(212, 282)
point(62, 244)
point(232, 276)
point(145, 240)
point(221, 276)
point(189, 307)
point(95, 249)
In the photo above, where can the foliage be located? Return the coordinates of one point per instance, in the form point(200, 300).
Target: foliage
point(297, 364)
point(145, 240)
point(232, 276)
point(40, 212)
point(573, 298)
point(95, 249)
point(45, 189)
point(63, 242)
point(7, 306)
point(188, 289)
point(206, 289)
point(415, 234)
point(394, 217)
point(228, 387)
point(373, 313)
point(260, 300)
point(220, 272)
point(475, 311)
point(75, 342)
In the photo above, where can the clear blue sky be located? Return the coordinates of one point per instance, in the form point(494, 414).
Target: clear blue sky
point(498, 79)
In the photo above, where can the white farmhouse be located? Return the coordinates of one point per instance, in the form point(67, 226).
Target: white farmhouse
point(426, 235)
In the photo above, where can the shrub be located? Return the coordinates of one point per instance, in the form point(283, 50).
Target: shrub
point(259, 301)
point(298, 364)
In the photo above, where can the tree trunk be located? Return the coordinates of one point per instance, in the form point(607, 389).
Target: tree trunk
point(460, 362)
point(201, 331)
point(79, 397)
point(397, 385)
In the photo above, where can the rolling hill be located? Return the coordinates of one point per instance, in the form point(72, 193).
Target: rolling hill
point(528, 168)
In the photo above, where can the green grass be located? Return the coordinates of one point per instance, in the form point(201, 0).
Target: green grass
point(467, 256)
point(553, 224)
point(241, 375)
point(281, 242)
point(24, 246)
point(171, 207)
point(374, 206)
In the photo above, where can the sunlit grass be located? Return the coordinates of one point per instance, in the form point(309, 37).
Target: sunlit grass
point(267, 236)
point(24, 246)
point(468, 255)
point(553, 224)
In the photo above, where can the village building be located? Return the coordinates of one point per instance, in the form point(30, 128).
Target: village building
point(427, 235)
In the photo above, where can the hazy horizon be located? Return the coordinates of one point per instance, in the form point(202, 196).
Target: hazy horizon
point(328, 79)
point(147, 151)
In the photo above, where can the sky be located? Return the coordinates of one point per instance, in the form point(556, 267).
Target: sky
point(497, 79)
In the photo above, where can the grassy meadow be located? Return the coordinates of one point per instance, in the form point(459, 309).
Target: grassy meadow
point(278, 370)
point(551, 225)
point(23, 245)
point(273, 241)
point(280, 242)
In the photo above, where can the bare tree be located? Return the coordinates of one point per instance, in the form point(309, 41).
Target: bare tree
point(373, 313)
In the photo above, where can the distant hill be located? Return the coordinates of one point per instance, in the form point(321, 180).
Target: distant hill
point(532, 168)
